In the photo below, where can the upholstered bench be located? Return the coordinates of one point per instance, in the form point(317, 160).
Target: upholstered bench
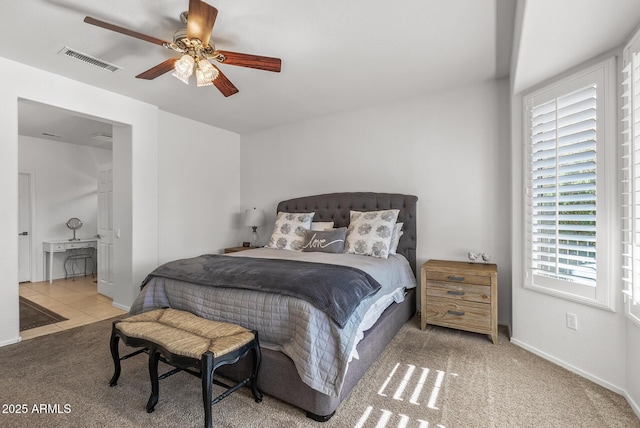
point(186, 342)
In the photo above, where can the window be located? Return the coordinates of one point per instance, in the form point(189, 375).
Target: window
point(569, 174)
point(631, 179)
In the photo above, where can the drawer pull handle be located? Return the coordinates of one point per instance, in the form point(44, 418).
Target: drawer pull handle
point(459, 313)
point(456, 293)
point(455, 278)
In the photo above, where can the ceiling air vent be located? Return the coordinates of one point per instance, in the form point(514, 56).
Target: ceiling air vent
point(88, 59)
point(49, 134)
point(102, 137)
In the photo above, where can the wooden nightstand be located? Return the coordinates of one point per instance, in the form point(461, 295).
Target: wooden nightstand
point(460, 295)
point(236, 249)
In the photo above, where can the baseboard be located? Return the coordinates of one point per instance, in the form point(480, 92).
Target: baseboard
point(122, 307)
point(633, 404)
point(572, 368)
point(11, 341)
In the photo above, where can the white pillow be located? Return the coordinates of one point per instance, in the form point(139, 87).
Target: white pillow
point(321, 225)
point(290, 230)
point(395, 238)
point(369, 232)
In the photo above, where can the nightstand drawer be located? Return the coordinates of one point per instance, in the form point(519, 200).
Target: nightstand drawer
point(72, 246)
point(466, 292)
point(458, 314)
point(459, 277)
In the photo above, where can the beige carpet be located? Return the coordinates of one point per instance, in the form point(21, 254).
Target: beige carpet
point(435, 378)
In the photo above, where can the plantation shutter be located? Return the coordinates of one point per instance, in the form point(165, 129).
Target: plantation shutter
point(631, 179)
point(562, 187)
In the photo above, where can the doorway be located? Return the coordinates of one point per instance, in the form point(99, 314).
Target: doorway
point(49, 136)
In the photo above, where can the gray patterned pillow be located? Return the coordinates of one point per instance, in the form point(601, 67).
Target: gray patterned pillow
point(290, 231)
point(326, 241)
point(369, 232)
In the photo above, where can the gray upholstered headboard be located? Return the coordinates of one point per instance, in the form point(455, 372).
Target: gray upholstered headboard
point(336, 206)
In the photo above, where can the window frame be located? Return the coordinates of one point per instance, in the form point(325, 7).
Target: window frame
point(632, 47)
point(607, 224)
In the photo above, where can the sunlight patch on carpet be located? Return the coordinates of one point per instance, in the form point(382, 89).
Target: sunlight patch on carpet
point(385, 419)
point(408, 378)
point(406, 383)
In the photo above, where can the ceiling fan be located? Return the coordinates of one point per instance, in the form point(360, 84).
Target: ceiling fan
point(193, 42)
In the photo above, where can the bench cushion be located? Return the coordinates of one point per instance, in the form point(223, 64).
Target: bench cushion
point(183, 333)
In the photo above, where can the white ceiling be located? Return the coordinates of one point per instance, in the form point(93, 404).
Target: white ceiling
point(557, 35)
point(336, 55)
point(52, 123)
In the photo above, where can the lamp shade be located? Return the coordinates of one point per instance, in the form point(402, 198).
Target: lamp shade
point(254, 217)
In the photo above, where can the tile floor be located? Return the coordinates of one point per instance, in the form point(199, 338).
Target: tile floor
point(77, 300)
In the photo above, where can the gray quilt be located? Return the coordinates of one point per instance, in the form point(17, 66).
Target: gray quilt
point(318, 346)
point(337, 290)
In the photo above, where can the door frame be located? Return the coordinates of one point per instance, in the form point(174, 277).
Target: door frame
point(137, 189)
point(33, 250)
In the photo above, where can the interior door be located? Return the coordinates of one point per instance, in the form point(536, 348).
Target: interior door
point(105, 230)
point(24, 227)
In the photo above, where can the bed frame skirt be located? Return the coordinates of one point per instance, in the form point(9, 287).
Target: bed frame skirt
point(278, 376)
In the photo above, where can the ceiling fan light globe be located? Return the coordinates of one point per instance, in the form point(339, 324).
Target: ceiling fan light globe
point(202, 78)
point(185, 64)
point(184, 77)
point(205, 73)
point(183, 68)
point(206, 66)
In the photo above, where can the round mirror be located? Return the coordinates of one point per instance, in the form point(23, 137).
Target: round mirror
point(74, 224)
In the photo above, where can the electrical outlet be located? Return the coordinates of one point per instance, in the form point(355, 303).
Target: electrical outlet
point(572, 321)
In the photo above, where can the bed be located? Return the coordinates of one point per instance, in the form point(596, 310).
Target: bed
point(311, 359)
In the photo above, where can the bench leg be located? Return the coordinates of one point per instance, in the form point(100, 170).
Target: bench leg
point(154, 357)
point(116, 357)
point(206, 374)
point(257, 358)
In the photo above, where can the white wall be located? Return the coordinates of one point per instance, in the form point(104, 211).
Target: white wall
point(632, 369)
point(65, 182)
point(135, 155)
point(450, 149)
point(199, 188)
point(606, 347)
point(596, 349)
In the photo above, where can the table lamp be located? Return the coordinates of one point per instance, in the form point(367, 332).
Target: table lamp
point(253, 218)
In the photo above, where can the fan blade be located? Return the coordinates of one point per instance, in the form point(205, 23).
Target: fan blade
point(252, 61)
point(117, 29)
point(223, 84)
point(200, 20)
point(158, 70)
